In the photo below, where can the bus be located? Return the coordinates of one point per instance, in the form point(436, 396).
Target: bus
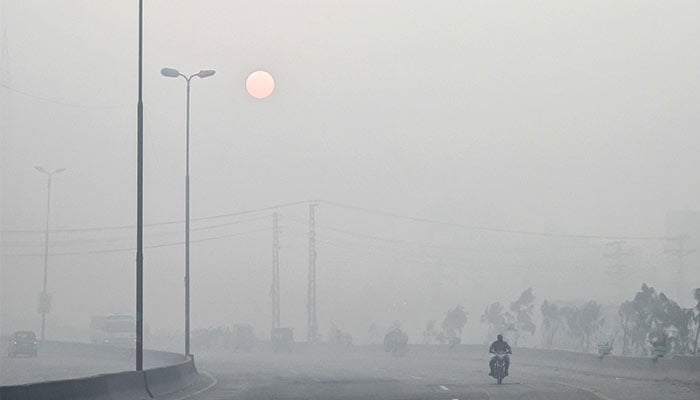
point(113, 330)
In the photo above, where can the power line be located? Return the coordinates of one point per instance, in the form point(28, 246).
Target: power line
point(429, 245)
point(355, 208)
point(123, 238)
point(295, 203)
point(59, 102)
point(134, 248)
point(490, 229)
point(118, 227)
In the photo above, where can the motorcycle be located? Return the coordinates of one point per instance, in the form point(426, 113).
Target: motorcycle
point(499, 369)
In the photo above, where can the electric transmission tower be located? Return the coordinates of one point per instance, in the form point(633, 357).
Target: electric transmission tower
point(312, 327)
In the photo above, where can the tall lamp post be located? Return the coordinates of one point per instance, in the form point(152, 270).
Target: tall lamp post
point(173, 73)
point(44, 299)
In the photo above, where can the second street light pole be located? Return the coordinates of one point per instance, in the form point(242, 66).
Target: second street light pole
point(44, 298)
point(173, 73)
point(139, 201)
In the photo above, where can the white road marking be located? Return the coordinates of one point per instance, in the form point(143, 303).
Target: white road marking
point(591, 391)
point(417, 377)
point(213, 383)
point(443, 387)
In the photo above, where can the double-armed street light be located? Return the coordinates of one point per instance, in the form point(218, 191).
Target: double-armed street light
point(44, 298)
point(173, 73)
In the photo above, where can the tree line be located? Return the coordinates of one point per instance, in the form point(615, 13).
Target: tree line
point(651, 319)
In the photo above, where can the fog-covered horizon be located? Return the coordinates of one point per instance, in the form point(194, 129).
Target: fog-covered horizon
point(460, 153)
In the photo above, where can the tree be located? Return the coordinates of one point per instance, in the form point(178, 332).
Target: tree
point(653, 315)
point(671, 315)
point(591, 321)
point(454, 322)
point(522, 310)
point(584, 322)
point(643, 304)
point(628, 317)
point(517, 320)
point(395, 340)
point(696, 313)
point(637, 321)
point(551, 322)
point(494, 318)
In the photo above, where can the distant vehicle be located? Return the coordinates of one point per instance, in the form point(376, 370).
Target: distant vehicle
point(22, 342)
point(243, 338)
point(282, 339)
point(114, 330)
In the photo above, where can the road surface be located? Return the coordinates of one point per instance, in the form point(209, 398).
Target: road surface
point(363, 375)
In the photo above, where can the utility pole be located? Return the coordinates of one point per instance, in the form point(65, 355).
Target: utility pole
point(312, 327)
point(44, 297)
point(680, 252)
point(275, 272)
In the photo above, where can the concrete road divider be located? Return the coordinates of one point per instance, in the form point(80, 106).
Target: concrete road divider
point(166, 380)
point(122, 385)
point(18, 392)
point(88, 388)
point(129, 385)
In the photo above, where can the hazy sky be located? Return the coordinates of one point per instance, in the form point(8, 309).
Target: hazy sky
point(547, 116)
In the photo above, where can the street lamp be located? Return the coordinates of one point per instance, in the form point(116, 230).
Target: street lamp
point(173, 73)
point(44, 298)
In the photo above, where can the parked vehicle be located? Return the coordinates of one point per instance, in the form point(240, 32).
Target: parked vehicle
point(22, 342)
point(113, 330)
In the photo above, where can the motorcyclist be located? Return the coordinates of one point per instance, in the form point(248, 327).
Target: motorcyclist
point(499, 346)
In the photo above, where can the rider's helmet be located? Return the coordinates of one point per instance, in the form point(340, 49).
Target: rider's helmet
point(499, 337)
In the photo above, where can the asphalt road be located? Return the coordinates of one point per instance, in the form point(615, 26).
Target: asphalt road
point(347, 375)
